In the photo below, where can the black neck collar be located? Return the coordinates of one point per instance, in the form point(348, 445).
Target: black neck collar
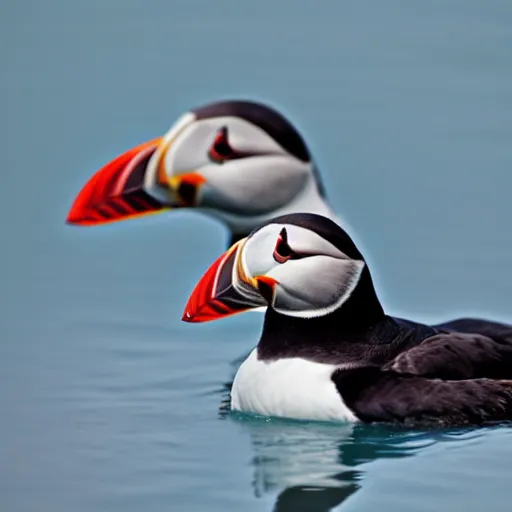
point(358, 332)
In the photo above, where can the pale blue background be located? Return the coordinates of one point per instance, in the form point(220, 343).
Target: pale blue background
point(107, 401)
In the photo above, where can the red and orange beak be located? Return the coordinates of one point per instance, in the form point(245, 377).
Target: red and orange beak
point(224, 290)
point(117, 191)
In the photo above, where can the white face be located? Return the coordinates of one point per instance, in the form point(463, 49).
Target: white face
point(314, 279)
point(257, 177)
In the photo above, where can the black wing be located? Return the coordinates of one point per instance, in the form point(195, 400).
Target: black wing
point(495, 330)
point(375, 395)
point(457, 356)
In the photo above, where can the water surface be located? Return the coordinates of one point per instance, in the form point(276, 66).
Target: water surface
point(110, 403)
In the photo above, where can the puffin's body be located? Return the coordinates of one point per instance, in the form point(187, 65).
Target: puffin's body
point(329, 352)
point(447, 377)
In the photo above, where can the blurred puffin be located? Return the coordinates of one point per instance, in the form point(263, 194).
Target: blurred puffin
point(239, 161)
point(329, 352)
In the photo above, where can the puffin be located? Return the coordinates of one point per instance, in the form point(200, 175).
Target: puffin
point(241, 162)
point(329, 352)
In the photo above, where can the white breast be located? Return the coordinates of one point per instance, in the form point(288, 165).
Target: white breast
point(289, 388)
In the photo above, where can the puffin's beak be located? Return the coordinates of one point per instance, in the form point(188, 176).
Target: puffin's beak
point(224, 290)
point(117, 191)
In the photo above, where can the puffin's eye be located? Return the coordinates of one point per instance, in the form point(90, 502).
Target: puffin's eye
point(221, 150)
point(282, 251)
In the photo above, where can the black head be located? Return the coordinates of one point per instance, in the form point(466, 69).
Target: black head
point(322, 226)
point(263, 116)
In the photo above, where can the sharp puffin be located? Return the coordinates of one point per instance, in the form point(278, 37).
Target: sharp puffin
point(241, 162)
point(328, 351)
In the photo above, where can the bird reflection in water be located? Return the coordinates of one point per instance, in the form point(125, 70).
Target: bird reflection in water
point(315, 467)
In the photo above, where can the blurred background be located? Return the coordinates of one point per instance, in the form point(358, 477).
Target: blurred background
point(108, 401)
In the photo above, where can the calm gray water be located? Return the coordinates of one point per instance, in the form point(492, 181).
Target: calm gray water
point(108, 402)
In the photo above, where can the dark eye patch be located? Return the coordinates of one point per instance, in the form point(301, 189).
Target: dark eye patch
point(221, 150)
point(263, 116)
point(282, 251)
